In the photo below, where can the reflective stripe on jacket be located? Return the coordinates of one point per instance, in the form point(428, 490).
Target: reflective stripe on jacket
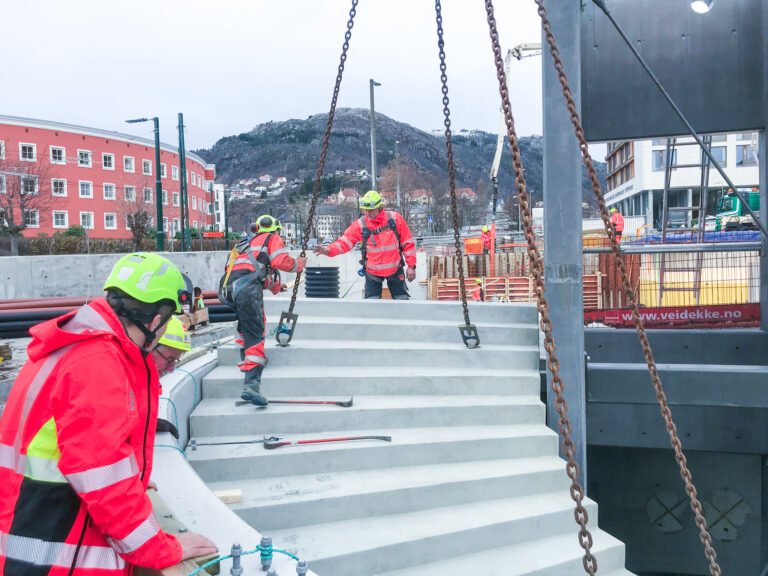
point(487, 240)
point(76, 444)
point(383, 252)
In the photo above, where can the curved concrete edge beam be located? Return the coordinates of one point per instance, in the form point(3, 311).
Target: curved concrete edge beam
point(199, 510)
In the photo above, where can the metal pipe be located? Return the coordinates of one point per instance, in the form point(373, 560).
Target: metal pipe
point(677, 248)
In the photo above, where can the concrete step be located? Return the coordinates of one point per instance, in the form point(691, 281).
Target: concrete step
point(392, 542)
point(219, 416)
point(289, 381)
point(409, 447)
point(361, 353)
point(412, 310)
point(283, 502)
point(389, 329)
point(531, 559)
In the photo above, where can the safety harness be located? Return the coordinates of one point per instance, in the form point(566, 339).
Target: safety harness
point(260, 262)
point(367, 233)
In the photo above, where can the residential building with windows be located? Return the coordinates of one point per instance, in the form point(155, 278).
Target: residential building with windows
point(93, 177)
point(635, 173)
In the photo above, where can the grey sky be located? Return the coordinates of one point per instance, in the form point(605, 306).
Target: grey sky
point(232, 64)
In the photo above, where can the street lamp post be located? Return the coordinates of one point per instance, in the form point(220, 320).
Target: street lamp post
point(226, 219)
point(373, 83)
point(158, 184)
point(397, 173)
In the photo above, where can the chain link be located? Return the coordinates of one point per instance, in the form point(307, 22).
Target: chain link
point(324, 149)
point(690, 489)
point(564, 425)
point(449, 147)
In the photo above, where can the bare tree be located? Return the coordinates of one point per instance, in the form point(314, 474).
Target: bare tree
point(412, 178)
point(136, 206)
point(25, 194)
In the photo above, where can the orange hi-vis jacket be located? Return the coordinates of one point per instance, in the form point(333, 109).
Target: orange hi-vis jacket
point(382, 250)
point(618, 222)
point(76, 444)
point(278, 255)
point(477, 294)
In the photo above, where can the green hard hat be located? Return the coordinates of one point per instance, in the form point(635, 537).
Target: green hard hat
point(176, 336)
point(150, 278)
point(370, 201)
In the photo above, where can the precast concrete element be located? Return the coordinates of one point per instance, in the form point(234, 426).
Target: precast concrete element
point(472, 471)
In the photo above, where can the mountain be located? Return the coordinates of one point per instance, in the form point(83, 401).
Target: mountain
point(292, 148)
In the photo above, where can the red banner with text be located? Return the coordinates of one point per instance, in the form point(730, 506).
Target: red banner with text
point(717, 316)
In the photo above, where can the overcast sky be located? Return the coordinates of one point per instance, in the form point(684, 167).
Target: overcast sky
point(232, 64)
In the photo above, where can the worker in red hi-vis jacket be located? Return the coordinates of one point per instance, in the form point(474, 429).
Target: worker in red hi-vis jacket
point(386, 247)
point(78, 431)
point(617, 221)
point(477, 294)
point(487, 239)
point(252, 267)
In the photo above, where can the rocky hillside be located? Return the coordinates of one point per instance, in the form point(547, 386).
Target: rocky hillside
point(292, 148)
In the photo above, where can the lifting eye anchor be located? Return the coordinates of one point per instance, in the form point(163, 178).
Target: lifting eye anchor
point(470, 336)
point(286, 326)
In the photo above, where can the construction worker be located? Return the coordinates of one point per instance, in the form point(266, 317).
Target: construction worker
point(617, 221)
point(76, 443)
point(487, 240)
point(252, 267)
point(478, 294)
point(387, 245)
point(171, 346)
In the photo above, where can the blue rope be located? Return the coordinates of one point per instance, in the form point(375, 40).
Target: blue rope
point(171, 446)
point(175, 411)
point(194, 398)
point(281, 329)
point(266, 553)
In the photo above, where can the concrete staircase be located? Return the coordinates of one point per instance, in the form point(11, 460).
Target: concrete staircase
point(471, 482)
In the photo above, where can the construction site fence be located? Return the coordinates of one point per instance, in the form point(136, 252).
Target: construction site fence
point(713, 284)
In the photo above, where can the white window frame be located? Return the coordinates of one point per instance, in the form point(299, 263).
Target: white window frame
point(34, 152)
point(80, 188)
point(2, 184)
point(37, 218)
point(194, 202)
point(127, 225)
point(162, 171)
point(144, 193)
point(125, 193)
point(114, 221)
point(53, 186)
point(165, 224)
point(33, 178)
point(175, 198)
point(174, 172)
point(194, 223)
point(112, 187)
point(177, 228)
point(144, 170)
point(126, 164)
point(89, 155)
point(66, 219)
point(104, 156)
point(63, 154)
point(91, 218)
point(200, 185)
point(2, 150)
point(193, 178)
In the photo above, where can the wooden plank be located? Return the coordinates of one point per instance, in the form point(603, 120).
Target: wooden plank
point(234, 496)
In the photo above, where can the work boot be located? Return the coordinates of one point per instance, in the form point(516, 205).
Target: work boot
point(252, 387)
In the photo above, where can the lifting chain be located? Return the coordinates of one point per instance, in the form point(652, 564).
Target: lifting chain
point(287, 323)
point(690, 489)
point(564, 425)
point(468, 331)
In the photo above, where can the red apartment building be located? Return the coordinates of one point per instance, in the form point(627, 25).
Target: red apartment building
point(74, 175)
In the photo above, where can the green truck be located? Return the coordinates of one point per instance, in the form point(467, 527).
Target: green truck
point(732, 214)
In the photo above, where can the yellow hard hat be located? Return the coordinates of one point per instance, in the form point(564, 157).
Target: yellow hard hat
point(613, 210)
point(478, 281)
point(176, 336)
point(370, 201)
point(485, 228)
